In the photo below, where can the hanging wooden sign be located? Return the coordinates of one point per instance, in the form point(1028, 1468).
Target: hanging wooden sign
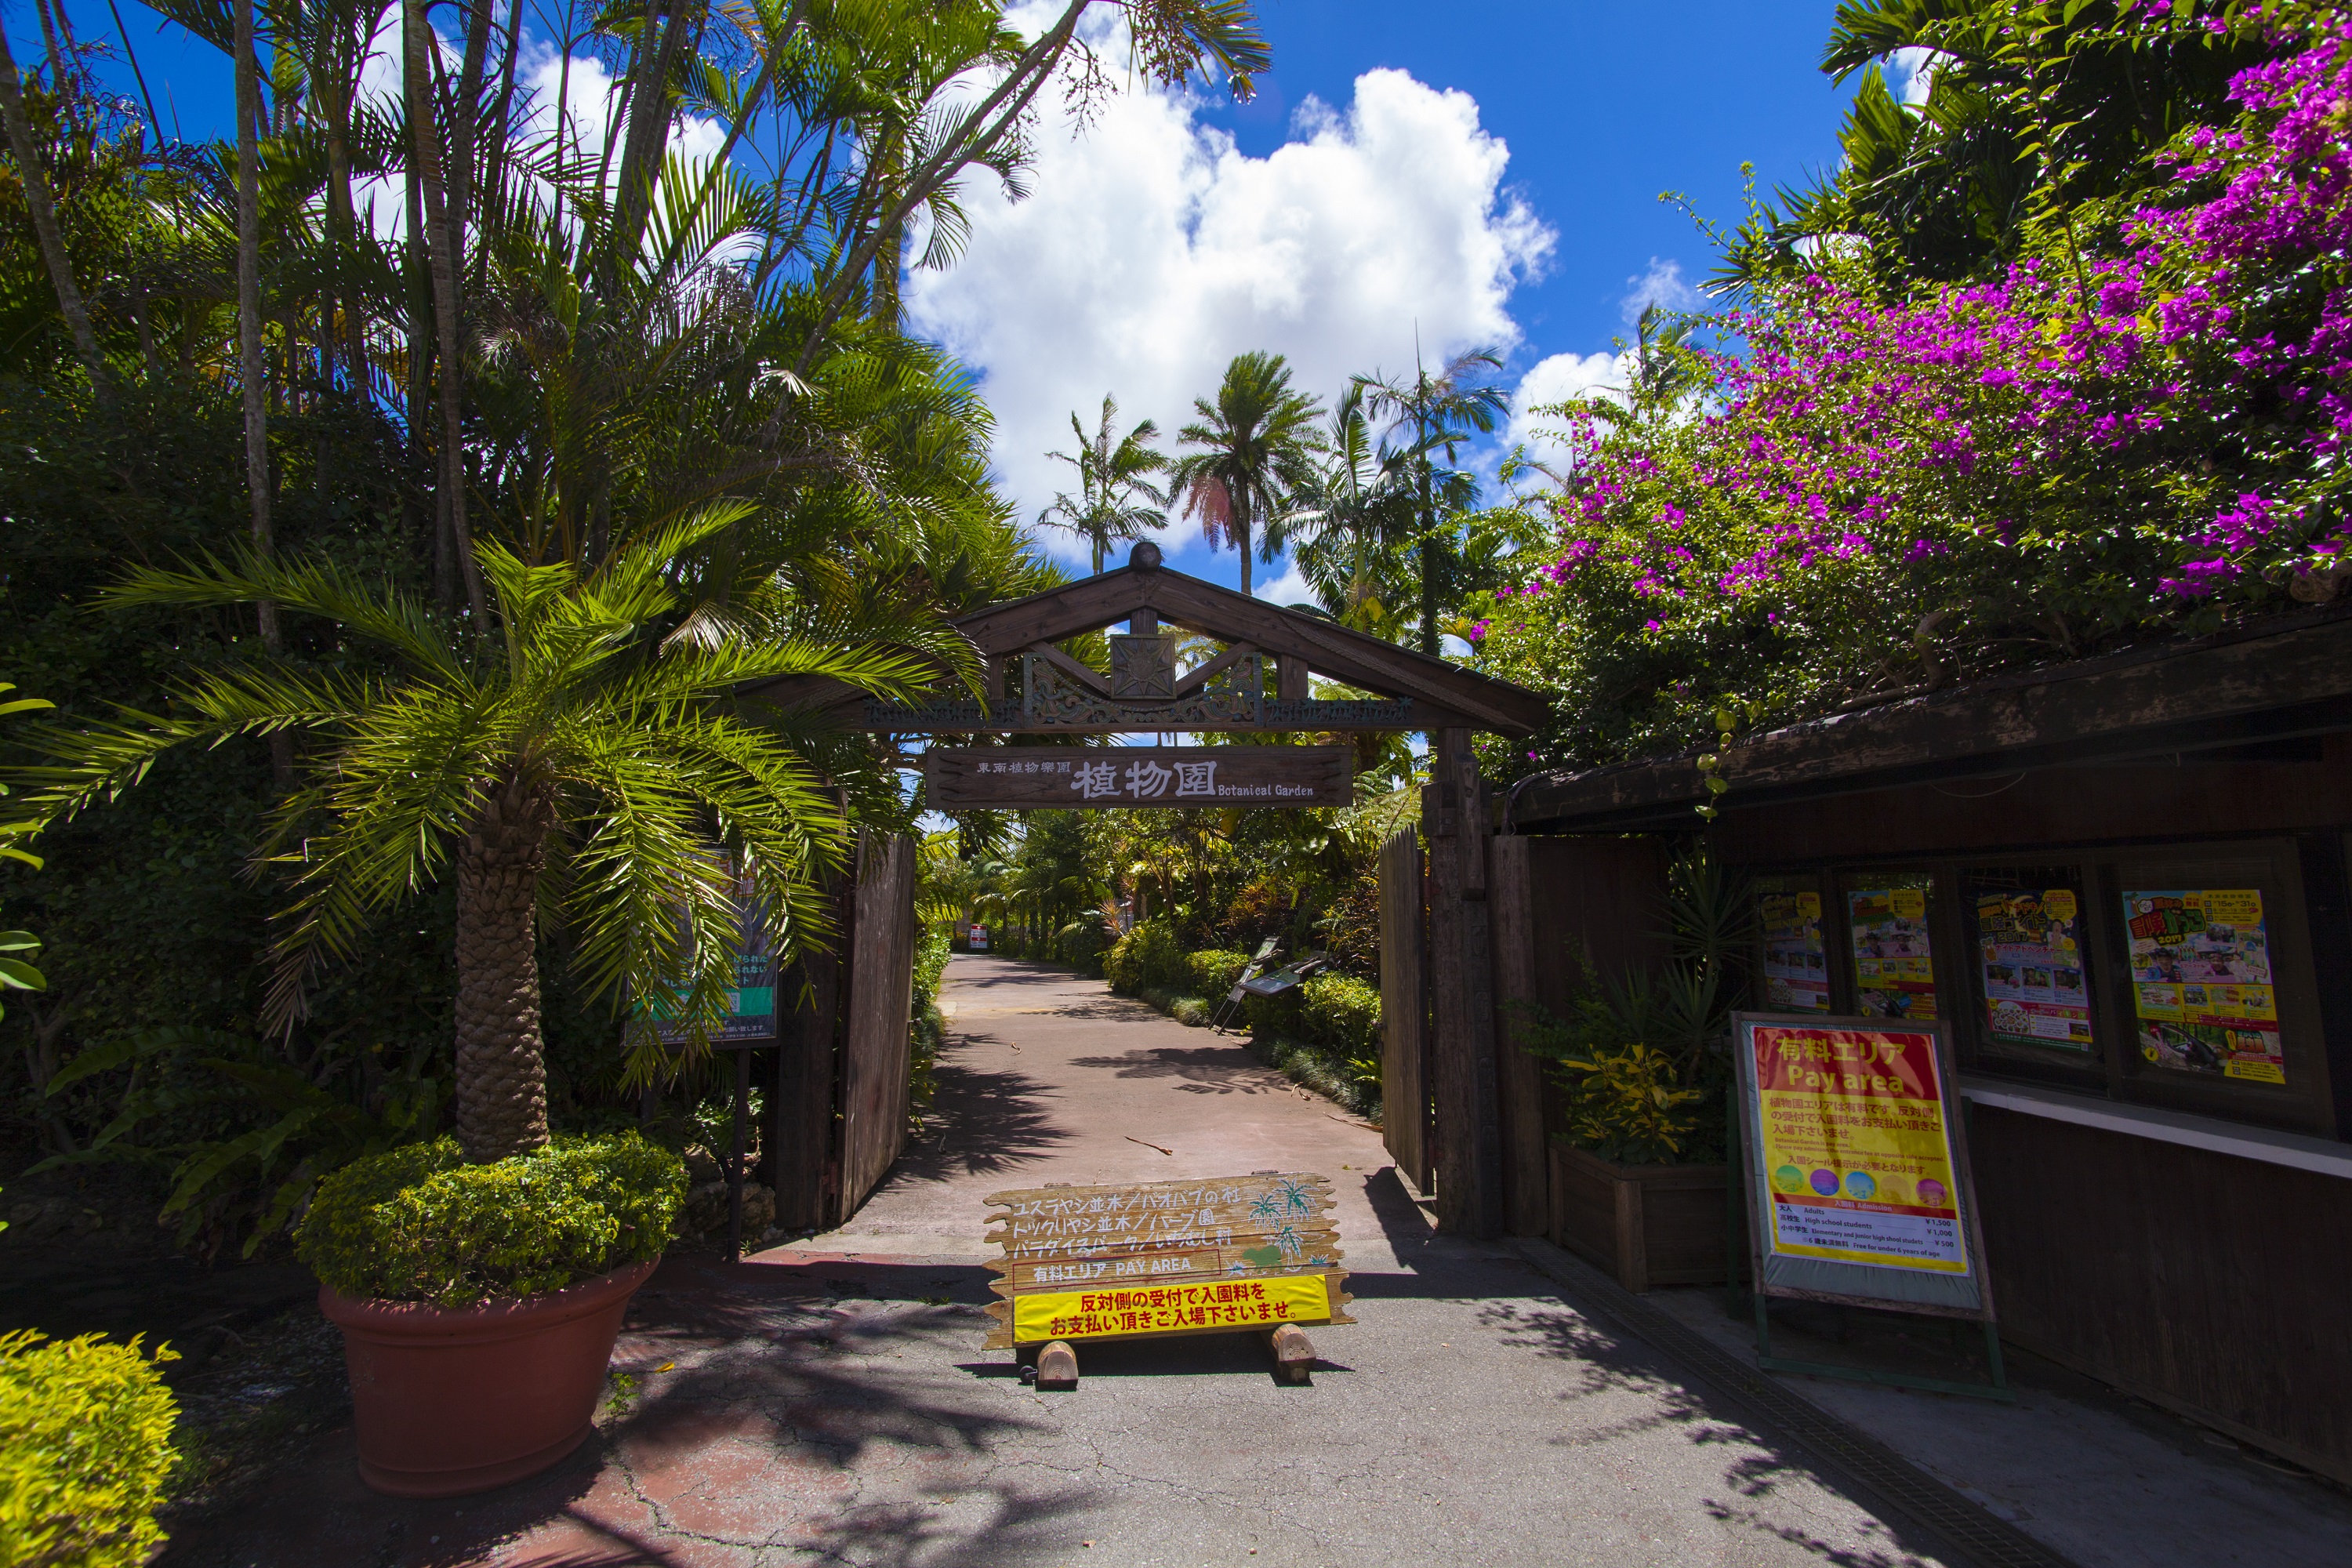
point(1222, 1255)
point(1034, 778)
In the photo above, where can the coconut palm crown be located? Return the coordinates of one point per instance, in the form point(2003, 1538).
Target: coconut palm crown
point(582, 755)
point(1259, 443)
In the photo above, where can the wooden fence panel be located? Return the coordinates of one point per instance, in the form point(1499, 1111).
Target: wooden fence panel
point(879, 1015)
point(1405, 1011)
point(1519, 1077)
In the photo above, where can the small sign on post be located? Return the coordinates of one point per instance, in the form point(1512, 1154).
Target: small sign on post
point(1858, 1190)
point(1223, 1254)
point(1067, 777)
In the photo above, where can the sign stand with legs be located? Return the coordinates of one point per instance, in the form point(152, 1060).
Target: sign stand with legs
point(1859, 1190)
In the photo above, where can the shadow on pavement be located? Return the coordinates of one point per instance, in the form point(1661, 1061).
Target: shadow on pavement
point(980, 1121)
point(1205, 1070)
point(755, 1391)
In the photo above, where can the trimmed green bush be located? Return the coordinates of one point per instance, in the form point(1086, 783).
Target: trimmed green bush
point(85, 1444)
point(1209, 975)
point(1343, 1012)
point(419, 1224)
point(1147, 958)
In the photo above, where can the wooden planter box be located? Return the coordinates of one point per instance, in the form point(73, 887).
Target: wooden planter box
point(1647, 1225)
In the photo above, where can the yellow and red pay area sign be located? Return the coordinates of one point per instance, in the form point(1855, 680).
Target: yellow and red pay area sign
point(1195, 1257)
point(1856, 1149)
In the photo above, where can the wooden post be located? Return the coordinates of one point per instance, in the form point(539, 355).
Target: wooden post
point(801, 1116)
point(735, 1155)
point(1526, 1166)
point(1404, 1010)
point(1455, 809)
point(1290, 677)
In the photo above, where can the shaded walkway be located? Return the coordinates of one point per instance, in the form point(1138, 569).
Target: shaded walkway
point(830, 1402)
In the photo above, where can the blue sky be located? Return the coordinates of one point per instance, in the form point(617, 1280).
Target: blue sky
point(1602, 106)
point(1480, 174)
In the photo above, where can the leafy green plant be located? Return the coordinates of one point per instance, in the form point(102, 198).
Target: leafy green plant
point(284, 1131)
point(1209, 975)
point(1640, 1053)
point(420, 1224)
point(1147, 958)
point(1629, 1107)
point(85, 1446)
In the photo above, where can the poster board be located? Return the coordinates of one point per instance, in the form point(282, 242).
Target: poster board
point(1857, 1178)
point(1199, 1255)
point(751, 1000)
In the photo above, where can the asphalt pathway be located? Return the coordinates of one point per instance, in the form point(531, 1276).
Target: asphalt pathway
point(830, 1402)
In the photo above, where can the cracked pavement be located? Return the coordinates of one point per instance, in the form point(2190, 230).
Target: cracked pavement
point(829, 1403)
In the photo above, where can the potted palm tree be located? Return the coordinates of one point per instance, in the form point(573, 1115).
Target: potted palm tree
point(571, 754)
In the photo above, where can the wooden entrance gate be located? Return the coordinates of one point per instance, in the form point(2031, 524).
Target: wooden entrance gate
point(1438, 1059)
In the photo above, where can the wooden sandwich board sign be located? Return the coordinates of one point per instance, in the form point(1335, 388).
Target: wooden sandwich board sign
point(961, 778)
point(1156, 1259)
point(1858, 1183)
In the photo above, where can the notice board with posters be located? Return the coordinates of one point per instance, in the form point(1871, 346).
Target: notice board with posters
point(1857, 1174)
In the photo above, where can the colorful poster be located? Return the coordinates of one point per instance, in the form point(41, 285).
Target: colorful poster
point(1796, 963)
point(2030, 957)
point(2200, 971)
point(1856, 1147)
point(1894, 968)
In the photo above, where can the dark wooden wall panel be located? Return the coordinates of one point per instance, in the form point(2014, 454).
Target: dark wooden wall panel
point(2159, 798)
point(876, 1039)
point(1518, 1077)
point(2211, 1284)
point(1404, 1010)
point(1455, 821)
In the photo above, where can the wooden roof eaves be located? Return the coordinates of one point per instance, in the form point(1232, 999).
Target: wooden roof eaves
point(1331, 649)
point(2273, 681)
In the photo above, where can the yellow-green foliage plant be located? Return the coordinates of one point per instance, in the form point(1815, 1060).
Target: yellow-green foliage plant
point(419, 1224)
point(85, 1445)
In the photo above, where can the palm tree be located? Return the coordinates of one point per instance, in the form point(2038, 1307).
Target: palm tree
point(572, 755)
point(1110, 478)
point(1260, 444)
point(1441, 411)
point(1348, 535)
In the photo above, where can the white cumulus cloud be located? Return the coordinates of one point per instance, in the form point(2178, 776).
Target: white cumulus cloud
point(1152, 251)
point(1549, 382)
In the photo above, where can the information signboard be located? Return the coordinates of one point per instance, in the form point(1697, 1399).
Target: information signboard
point(751, 999)
point(1193, 1256)
point(1858, 1184)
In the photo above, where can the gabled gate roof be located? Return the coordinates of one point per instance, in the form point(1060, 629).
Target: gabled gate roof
point(1445, 695)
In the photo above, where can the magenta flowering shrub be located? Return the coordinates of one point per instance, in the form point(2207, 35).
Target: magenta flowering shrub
point(1876, 499)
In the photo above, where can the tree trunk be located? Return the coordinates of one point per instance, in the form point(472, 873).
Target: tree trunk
point(1428, 564)
point(438, 238)
point(44, 222)
point(501, 1079)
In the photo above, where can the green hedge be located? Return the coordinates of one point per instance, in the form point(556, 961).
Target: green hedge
point(1213, 973)
point(1147, 958)
point(420, 1224)
point(85, 1444)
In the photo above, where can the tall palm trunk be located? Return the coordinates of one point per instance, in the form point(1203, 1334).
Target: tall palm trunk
point(248, 296)
point(438, 245)
point(501, 1078)
point(44, 222)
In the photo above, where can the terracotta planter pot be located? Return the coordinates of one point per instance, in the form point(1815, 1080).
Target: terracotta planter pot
point(450, 1401)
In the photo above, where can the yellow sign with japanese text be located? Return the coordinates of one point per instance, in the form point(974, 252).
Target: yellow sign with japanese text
point(1170, 1308)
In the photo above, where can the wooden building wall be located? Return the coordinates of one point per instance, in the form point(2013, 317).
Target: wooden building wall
point(2213, 1285)
point(1559, 904)
point(2303, 784)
